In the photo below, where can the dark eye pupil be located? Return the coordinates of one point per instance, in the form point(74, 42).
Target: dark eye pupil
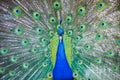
point(100, 5)
point(68, 19)
point(39, 30)
point(81, 26)
point(110, 53)
point(14, 58)
point(98, 35)
point(81, 10)
point(88, 79)
point(52, 20)
point(4, 50)
point(103, 24)
point(2, 69)
point(17, 11)
point(18, 30)
point(56, 4)
point(49, 74)
point(36, 14)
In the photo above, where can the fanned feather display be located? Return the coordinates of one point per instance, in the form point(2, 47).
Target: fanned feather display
point(29, 40)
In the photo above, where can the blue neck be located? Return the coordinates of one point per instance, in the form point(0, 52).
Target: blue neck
point(62, 70)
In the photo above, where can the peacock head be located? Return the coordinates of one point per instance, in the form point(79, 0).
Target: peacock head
point(60, 31)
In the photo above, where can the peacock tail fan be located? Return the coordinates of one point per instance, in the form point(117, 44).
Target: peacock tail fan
point(30, 39)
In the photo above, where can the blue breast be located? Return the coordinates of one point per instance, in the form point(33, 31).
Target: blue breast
point(62, 70)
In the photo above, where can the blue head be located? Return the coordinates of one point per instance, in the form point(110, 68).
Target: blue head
point(60, 31)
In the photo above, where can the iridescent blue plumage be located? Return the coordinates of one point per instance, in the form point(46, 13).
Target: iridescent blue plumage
point(62, 70)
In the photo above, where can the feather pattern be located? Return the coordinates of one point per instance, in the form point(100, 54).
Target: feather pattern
point(29, 39)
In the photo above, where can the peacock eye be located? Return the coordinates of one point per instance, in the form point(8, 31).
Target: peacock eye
point(82, 79)
point(39, 31)
point(51, 33)
point(110, 53)
point(42, 40)
point(68, 19)
point(101, 6)
point(98, 60)
point(75, 74)
point(17, 11)
point(115, 67)
point(82, 27)
point(34, 50)
point(18, 30)
point(89, 79)
point(81, 11)
point(49, 75)
point(36, 15)
point(118, 42)
point(4, 51)
point(80, 62)
point(70, 33)
point(13, 59)
point(12, 73)
point(44, 64)
point(79, 37)
point(53, 20)
point(56, 5)
point(87, 46)
point(99, 36)
point(25, 42)
point(2, 70)
point(25, 65)
point(103, 24)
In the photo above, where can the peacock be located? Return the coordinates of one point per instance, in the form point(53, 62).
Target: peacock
point(59, 39)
